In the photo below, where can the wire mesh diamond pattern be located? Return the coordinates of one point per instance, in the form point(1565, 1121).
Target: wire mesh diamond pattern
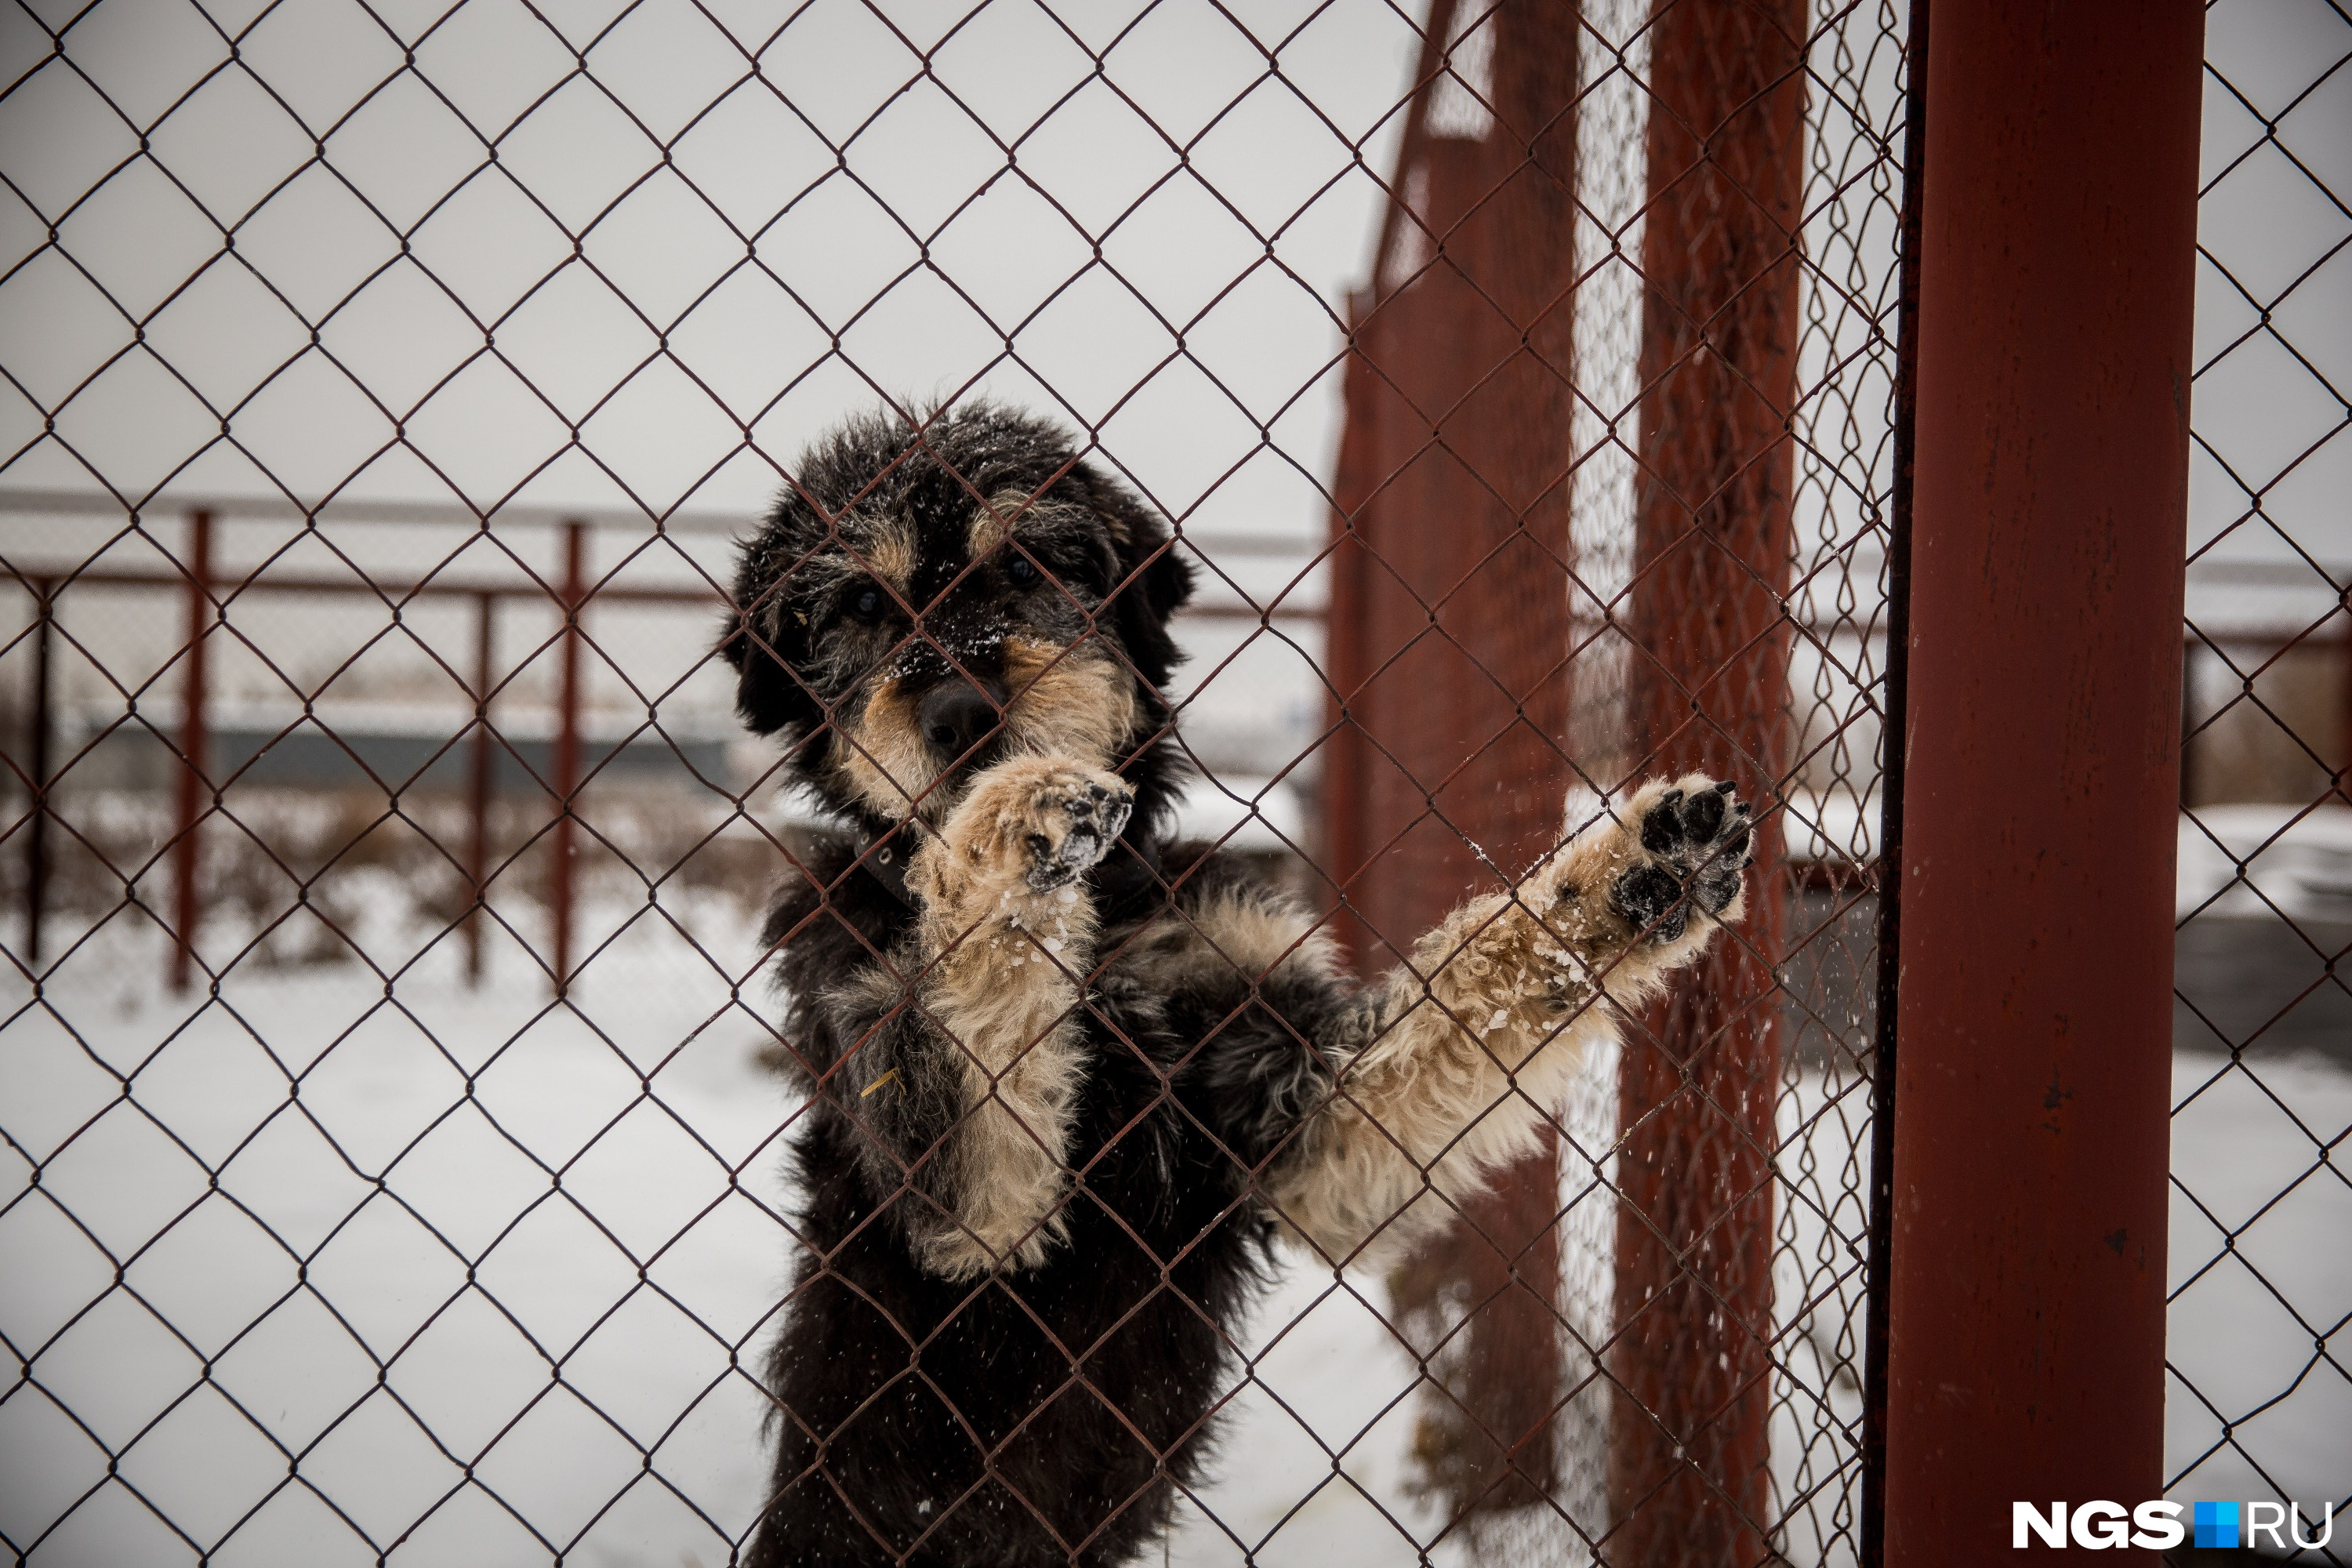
point(402, 1176)
point(2257, 1379)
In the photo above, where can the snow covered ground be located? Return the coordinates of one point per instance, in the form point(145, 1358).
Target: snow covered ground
point(470, 1189)
point(370, 1280)
point(2259, 1400)
point(2258, 1403)
point(2257, 860)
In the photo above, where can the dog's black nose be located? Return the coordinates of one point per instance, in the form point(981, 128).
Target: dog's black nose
point(956, 714)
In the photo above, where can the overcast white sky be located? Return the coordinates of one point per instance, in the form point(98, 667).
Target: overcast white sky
point(846, 198)
point(1183, 159)
point(852, 221)
point(2271, 222)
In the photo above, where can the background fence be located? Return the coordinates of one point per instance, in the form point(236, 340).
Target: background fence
point(2260, 1388)
point(383, 1020)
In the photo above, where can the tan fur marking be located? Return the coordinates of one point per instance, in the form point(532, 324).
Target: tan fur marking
point(890, 553)
point(1074, 703)
point(1071, 702)
point(993, 523)
point(1005, 964)
point(1001, 517)
point(881, 753)
point(1471, 1045)
point(1266, 938)
point(1259, 935)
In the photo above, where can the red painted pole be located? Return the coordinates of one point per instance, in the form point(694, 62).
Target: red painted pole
point(1689, 1453)
point(567, 752)
point(477, 783)
point(196, 754)
point(1449, 638)
point(1345, 667)
point(2026, 1336)
point(2188, 717)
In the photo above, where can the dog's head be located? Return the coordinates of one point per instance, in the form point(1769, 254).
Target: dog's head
point(927, 599)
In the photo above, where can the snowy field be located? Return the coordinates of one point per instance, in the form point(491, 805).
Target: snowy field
point(2256, 1339)
point(2258, 860)
point(2259, 1400)
point(486, 1278)
point(372, 1279)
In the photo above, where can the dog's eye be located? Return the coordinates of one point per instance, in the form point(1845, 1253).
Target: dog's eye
point(1021, 569)
point(867, 603)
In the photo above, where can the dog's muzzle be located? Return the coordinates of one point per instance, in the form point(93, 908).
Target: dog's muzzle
point(958, 715)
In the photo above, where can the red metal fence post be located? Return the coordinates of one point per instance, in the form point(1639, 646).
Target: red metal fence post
point(1887, 978)
point(566, 766)
point(478, 762)
point(1449, 633)
point(2026, 1342)
point(2189, 714)
point(1700, 1074)
point(1345, 668)
point(195, 759)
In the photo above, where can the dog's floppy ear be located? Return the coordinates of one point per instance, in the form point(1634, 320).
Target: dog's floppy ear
point(1155, 581)
point(765, 643)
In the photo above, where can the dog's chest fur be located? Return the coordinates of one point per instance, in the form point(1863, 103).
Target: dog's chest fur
point(1197, 1019)
point(1196, 1067)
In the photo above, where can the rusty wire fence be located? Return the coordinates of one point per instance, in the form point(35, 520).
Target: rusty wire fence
point(2259, 1389)
point(394, 1174)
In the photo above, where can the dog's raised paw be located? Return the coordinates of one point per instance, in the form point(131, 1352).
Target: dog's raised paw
point(1697, 837)
point(1039, 823)
point(1075, 822)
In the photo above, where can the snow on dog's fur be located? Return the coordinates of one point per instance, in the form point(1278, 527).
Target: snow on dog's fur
point(1071, 1083)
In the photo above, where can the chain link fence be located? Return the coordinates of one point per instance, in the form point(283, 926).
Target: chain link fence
point(401, 1180)
point(388, 1049)
point(2259, 1394)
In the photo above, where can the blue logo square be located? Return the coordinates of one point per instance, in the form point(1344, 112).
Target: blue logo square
point(2217, 1524)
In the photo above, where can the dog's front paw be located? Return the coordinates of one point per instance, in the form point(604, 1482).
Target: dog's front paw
point(1041, 822)
point(1695, 838)
point(1074, 820)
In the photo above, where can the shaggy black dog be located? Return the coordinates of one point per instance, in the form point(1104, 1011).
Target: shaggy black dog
point(1069, 1082)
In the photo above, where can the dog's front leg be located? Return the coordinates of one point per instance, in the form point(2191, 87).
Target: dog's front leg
point(1006, 940)
point(1453, 1061)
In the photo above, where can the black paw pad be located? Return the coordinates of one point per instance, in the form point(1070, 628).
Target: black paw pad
point(1701, 841)
point(1650, 897)
point(1662, 828)
point(1702, 816)
point(1112, 807)
point(1093, 816)
point(1715, 888)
